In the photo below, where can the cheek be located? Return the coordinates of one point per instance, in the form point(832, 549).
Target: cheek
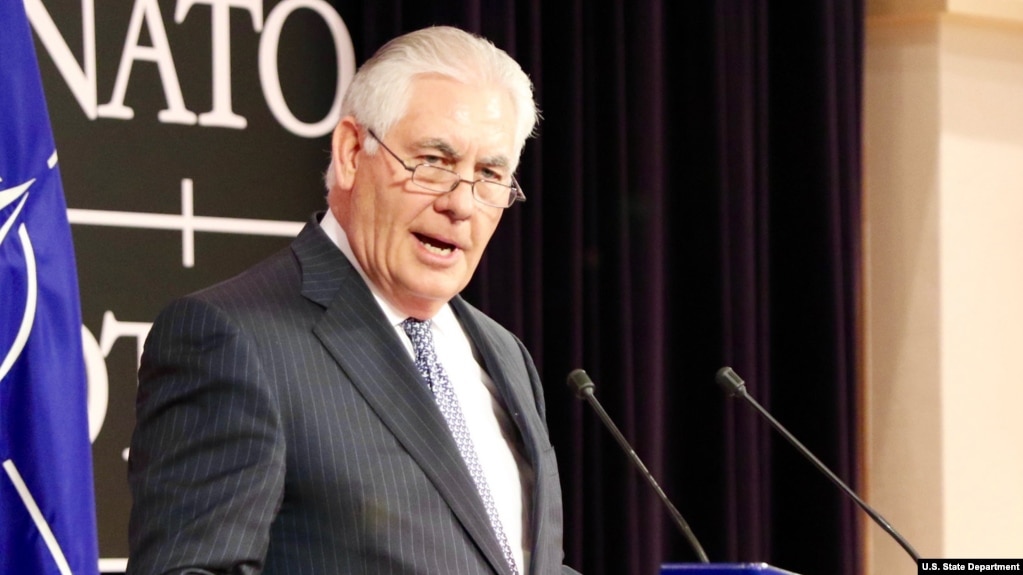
point(377, 208)
point(486, 225)
point(394, 217)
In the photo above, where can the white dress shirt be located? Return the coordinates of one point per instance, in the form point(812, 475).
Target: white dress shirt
point(494, 435)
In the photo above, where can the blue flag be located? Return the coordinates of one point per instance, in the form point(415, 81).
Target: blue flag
point(47, 504)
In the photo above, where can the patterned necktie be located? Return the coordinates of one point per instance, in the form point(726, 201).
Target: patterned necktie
point(444, 394)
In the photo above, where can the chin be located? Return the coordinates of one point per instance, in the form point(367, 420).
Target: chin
point(436, 296)
point(433, 283)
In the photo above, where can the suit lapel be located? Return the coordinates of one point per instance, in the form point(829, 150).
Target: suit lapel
point(496, 357)
point(500, 354)
point(357, 335)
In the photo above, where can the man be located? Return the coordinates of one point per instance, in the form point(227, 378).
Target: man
point(338, 408)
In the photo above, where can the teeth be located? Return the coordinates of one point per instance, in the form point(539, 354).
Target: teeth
point(436, 249)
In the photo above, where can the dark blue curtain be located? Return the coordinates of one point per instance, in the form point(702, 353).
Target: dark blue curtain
point(694, 201)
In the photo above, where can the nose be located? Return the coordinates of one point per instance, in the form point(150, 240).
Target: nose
point(459, 203)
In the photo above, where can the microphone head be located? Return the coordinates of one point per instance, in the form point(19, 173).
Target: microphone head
point(580, 383)
point(730, 382)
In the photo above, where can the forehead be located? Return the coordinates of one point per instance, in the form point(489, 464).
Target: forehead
point(461, 114)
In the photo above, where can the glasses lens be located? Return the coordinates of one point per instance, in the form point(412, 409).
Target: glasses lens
point(442, 181)
point(494, 194)
point(434, 178)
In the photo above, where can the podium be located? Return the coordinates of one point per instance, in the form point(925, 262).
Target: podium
point(722, 569)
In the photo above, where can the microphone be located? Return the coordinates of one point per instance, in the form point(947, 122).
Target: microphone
point(734, 386)
point(583, 387)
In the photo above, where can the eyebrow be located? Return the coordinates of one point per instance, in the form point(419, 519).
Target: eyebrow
point(442, 146)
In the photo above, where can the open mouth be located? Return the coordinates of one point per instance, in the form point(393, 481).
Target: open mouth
point(434, 245)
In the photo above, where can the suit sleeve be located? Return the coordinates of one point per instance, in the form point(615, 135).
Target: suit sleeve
point(206, 466)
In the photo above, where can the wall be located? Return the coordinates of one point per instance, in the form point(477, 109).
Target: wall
point(943, 319)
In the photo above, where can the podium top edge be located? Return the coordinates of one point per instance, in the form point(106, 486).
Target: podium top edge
point(721, 569)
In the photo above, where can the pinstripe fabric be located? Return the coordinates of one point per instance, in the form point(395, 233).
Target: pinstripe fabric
point(282, 428)
point(444, 394)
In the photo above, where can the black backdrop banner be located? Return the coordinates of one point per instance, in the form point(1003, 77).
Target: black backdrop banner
point(694, 201)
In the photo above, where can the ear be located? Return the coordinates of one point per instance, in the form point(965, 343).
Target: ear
point(345, 148)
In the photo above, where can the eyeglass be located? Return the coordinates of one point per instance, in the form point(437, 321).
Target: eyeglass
point(442, 181)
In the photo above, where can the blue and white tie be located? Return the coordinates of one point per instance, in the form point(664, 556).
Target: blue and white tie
point(444, 394)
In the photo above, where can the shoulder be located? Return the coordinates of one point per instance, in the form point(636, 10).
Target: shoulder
point(493, 340)
point(481, 328)
point(472, 316)
point(268, 279)
point(276, 280)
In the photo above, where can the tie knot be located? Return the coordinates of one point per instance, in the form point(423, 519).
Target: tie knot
point(417, 330)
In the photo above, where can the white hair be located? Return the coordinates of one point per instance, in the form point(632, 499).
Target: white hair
point(378, 95)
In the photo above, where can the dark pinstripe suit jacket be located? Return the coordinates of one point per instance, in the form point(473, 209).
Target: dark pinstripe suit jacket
point(283, 428)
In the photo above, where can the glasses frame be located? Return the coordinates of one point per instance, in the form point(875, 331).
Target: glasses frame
point(516, 196)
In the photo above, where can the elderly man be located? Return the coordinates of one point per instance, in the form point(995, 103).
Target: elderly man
point(338, 408)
